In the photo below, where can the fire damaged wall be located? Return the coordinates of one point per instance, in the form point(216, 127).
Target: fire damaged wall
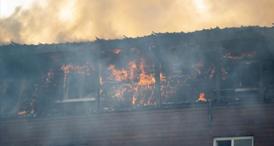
point(156, 71)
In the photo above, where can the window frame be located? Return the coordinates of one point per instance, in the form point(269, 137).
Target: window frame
point(233, 139)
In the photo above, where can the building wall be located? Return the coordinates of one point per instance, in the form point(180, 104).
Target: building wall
point(188, 126)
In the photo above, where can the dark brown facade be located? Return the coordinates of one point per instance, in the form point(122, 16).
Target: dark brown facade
point(193, 126)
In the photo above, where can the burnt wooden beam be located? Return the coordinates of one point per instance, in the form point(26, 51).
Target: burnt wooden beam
point(155, 53)
point(261, 84)
point(158, 83)
point(99, 86)
point(219, 63)
point(98, 71)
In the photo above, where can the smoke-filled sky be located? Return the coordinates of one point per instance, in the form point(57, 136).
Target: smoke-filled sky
point(52, 21)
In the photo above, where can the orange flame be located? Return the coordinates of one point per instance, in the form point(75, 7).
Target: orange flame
point(119, 75)
point(145, 79)
point(137, 80)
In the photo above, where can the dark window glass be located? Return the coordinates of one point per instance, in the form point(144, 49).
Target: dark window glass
point(243, 142)
point(224, 143)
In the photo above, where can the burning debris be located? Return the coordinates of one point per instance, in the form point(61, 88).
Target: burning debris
point(119, 74)
point(133, 82)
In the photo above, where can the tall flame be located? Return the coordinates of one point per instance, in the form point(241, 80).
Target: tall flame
point(118, 74)
point(145, 79)
point(134, 81)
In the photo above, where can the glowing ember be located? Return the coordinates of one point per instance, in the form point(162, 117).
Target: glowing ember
point(202, 97)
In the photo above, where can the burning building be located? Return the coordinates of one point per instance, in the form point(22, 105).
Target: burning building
point(211, 87)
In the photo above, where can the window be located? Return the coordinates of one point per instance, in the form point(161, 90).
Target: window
point(234, 141)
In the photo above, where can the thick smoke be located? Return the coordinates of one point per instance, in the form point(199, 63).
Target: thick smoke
point(75, 20)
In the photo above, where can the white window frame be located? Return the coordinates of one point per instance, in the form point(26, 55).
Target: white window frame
point(233, 139)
